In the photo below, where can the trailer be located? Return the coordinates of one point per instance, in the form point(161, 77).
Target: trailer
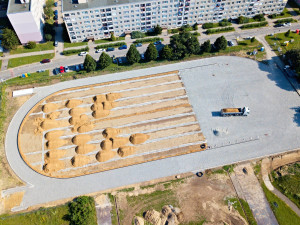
point(235, 111)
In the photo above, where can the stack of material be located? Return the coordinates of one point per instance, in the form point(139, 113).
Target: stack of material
point(53, 115)
point(80, 160)
point(53, 166)
point(56, 143)
point(118, 142)
point(103, 156)
point(111, 132)
point(152, 216)
point(138, 221)
point(138, 138)
point(126, 151)
point(73, 103)
point(81, 139)
point(84, 149)
point(113, 96)
point(50, 107)
point(106, 145)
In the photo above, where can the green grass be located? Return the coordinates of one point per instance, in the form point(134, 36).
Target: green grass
point(127, 189)
point(0, 64)
point(39, 47)
point(76, 44)
point(114, 216)
point(220, 30)
point(101, 41)
point(285, 13)
point(257, 168)
point(14, 62)
point(279, 39)
point(47, 216)
point(42, 77)
point(283, 213)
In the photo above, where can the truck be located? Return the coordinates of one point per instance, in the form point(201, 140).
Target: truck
point(235, 111)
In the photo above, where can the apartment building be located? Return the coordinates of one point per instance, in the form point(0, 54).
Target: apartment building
point(96, 19)
point(26, 17)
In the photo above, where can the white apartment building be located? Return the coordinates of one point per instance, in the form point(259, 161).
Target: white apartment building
point(26, 17)
point(96, 19)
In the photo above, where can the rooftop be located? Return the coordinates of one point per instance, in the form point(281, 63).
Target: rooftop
point(68, 5)
point(15, 6)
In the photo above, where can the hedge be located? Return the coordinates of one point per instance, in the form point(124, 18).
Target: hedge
point(117, 44)
point(207, 25)
point(254, 25)
point(287, 20)
point(213, 31)
point(75, 51)
point(148, 40)
point(173, 31)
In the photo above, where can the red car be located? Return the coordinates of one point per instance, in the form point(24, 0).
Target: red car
point(61, 69)
point(45, 61)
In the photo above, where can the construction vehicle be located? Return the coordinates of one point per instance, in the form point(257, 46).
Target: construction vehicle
point(235, 111)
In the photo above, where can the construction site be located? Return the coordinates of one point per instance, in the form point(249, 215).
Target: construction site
point(109, 125)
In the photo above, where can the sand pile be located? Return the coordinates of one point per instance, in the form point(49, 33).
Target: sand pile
point(80, 160)
point(53, 166)
point(81, 139)
point(118, 142)
point(138, 221)
point(108, 105)
point(106, 145)
point(100, 113)
point(166, 210)
point(180, 217)
point(49, 124)
point(111, 132)
point(99, 98)
point(113, 96)
point(126, 151)
point(56, 143)
point(55, 134)
point(53, 115)
point(172, 219)
point(103, 156)
point(86, 148)
point(152, 216)
point(96, 107)
point(55, 154)
point(50, 107)
point(73, 103)
point(76, 112)
point(85, 128)
point(79, 119)
point(138, 138)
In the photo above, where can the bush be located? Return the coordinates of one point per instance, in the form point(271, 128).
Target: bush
point(254, 25)
point(253, 39)
point(148, 40)
point(206, 46)
point(207, 25)
point(287, 34)
point(224, 23)
point(118, 44)
point(48, 37)
point(243, 19)
point(195, 26)
point(186, 28)
point(75, 51)
point(112, 36)
point(287, 20)
point(225, 29)
point(137, 34)
point(173, 31)
point(259, 17)
point(31, 45)
point(197, 34)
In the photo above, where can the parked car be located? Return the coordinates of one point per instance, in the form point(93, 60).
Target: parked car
point(83, 53)
point(40, 71)
point(81, 66)
point(61, 69)
point(56, 43)
point(55, 4)
point(77, 68)
point(120, 60)
point(123, 47)
point(157, 43)
point(100, 50)
point(230, 43)
point(55, 17)
point(110, 49)
point(142, 56)
point(278, 25)
point(46, 61)
point(139, 45)
point(67, 70)
point(55, 12)
point(287, 24)
point(55, 71)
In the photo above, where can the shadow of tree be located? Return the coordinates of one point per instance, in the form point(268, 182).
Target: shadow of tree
point(296, 118)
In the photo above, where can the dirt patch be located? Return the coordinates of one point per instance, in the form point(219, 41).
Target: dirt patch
point(13, 200)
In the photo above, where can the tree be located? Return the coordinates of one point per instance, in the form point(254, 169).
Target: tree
point(287, 34)
point(206, 46)
point(193, 46)
point(9, 39)
point(157, 29)
point(133, 55)
point(89, 63)
point(82, 211)
point(49, 13)
point(293, 58)
point(31, 45)
point(104, 60)
point(112, 36)
point(166, 52)
point(151, 52)
point(195, 26)
point(221, 43)
point(253, 39)
point(243, 19)
point(48, 37)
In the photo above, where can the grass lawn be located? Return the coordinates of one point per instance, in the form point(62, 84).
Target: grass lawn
point(14, 62)
point(76, 44)
point(220, 30)
point(39, 47)
point(283, 213)
point(0, 64)
point(47, 216)
point(33, 78)
point(285, 13)
point(108, 40)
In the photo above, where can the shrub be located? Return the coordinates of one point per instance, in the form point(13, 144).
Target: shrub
point(243, 19)
point(112, 36)
point(195, 26)
point(259, 17)
point(186, 28)
point(287, 34)
point(220, 43)
point(253, 39)
point(104, 60)
point(31, 45)
point(287, 20)
point(137, 34)
point(148, 40)
point(196, 34)
point(225, 29)
point(173, 31)
point(207, 25)
point(118, 44)
point(224, 23)
point(254, 25)
point(75, 51)
point(48, 37)
point(206, 46)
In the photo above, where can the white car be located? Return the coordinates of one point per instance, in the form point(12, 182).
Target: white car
point(100, 50)
point(67, 70)
point(83, 53)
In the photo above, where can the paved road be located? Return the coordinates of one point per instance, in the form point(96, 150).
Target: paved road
point(211, 84)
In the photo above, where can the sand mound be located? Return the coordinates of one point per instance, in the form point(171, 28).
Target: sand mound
point(56, 143)
point(138, 138)
point(54, 166)
point(73, 103)
point(103, 156)
point(108, 105)
point(152, 216)
point(55, 154)
point(55, 134)
point(49, 124)
point(126, 151)
point(106, 145)
point(180, 217)
point(138, 220)
point(99, 98)
point(80, 160)
point(113, 96)
point(79, 119)
point(53, 115)
point(76, 112)
point(100, 113)
point(81, 139)
point(166, 210)
point(172, 219)
point(96, 107)
point(86, 148)
point(111, 132)
point(85, 128)
point(50, 107)
point(118, 142)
